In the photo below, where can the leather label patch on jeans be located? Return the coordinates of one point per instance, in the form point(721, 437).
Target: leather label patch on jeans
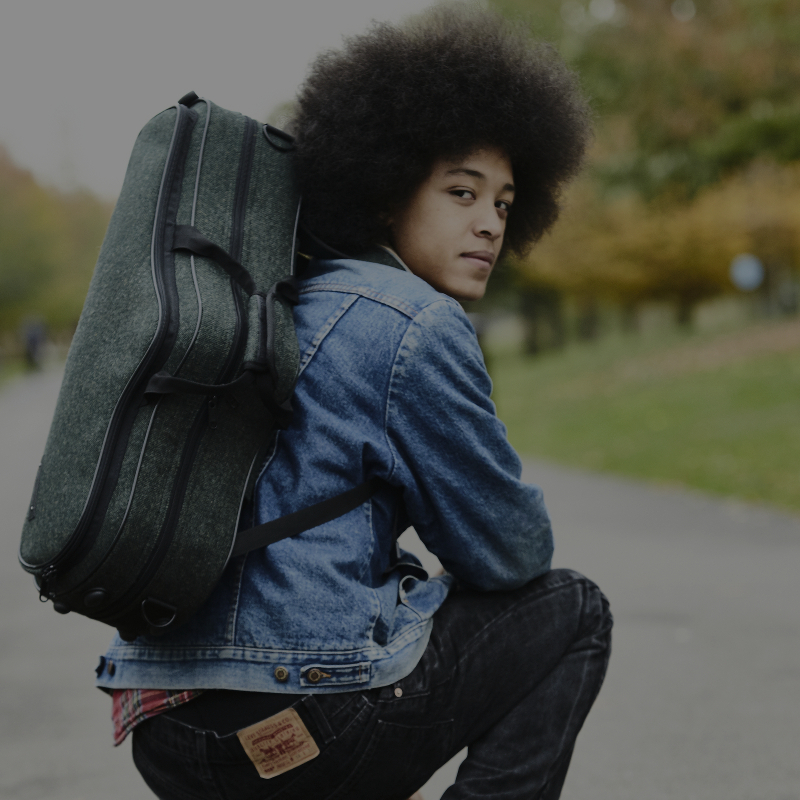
point(279, 743)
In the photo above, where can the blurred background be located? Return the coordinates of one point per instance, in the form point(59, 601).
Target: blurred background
point(653, 333)
point(657, 326)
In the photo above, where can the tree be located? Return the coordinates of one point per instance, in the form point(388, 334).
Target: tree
point(685, 91)
point(29, 230)
point(49, 243)
point(694, 100)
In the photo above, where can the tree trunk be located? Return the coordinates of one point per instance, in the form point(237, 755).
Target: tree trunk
point(684, 312)
point(543, 318)
point(588, 319)
point(630, 318)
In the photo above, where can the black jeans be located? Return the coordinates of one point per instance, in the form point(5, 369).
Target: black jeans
point(511, 675)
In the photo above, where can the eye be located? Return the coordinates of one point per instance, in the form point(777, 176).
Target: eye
point(463, 194)
point(503, 205)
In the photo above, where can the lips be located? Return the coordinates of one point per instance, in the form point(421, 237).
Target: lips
point(480, 255)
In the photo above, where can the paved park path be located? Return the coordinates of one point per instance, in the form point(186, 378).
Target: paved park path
point(702, 700)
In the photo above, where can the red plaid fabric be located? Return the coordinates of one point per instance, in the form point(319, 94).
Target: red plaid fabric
point(132, 706)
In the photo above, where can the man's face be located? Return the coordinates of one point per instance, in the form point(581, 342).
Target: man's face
point(451, 231)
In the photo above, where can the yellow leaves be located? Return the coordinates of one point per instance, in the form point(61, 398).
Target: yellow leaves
point(48, 245)
point(626, 250)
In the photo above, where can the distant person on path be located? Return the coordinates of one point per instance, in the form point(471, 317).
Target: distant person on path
point(424, 151)
point(33, 337)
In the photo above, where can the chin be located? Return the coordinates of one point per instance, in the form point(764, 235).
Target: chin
point(470, 294)
point(472, 290)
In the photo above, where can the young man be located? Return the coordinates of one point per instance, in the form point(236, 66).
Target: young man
point(423, 152)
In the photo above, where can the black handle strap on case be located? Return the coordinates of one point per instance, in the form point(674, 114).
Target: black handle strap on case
point(162, 383)
point(306, 518)
point(189, 238)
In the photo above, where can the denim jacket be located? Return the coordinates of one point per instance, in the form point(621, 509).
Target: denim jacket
point(392, 384)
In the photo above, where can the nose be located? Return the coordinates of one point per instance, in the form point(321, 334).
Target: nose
point(488, 223)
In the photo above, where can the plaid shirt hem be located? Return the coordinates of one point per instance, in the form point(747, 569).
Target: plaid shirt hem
point(132, 706)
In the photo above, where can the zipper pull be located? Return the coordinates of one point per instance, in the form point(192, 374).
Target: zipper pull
point(213, 403)
point(44, 579)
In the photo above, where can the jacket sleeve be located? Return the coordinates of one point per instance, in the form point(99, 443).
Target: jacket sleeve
point(460, 476)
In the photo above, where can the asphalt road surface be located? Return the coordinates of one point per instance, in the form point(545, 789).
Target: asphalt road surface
point(702, 699)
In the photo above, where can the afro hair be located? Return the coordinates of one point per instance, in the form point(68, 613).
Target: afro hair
point(374, 117)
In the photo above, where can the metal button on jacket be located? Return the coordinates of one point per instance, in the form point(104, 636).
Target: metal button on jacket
point(314, 675)
point(281, 674)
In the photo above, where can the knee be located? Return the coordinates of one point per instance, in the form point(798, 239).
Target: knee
point(591, 607)
point(596, 618)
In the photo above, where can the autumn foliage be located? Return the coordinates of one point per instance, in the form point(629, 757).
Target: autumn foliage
point(695, 159)
point(628, 251)
point(49, 241)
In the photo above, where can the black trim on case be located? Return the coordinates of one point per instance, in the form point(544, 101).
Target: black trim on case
point(189, 99)
point(167, 531)
point(120, 608)
point(274, 136)
point(124, 415)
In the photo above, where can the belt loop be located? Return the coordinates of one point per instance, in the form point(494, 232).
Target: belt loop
point(201, 754)
point(311, 705)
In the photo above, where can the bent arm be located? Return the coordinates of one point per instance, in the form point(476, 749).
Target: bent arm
point(460, 476)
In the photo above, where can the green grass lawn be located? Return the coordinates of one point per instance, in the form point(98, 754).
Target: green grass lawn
point(720, 414)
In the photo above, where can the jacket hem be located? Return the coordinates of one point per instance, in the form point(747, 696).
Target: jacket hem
point(254, 670)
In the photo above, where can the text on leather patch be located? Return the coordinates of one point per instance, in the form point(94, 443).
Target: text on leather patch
point(278, 744)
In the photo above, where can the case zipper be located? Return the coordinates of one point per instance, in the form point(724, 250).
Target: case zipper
point(129, 400)
point(226, 374)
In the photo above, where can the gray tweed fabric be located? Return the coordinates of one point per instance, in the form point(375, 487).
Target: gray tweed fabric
point(172, 468)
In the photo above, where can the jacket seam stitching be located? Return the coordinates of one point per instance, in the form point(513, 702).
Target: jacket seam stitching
point(390, 388)
point(403, 640)
point(269, 460)
point(322, 333)
point(371, 294)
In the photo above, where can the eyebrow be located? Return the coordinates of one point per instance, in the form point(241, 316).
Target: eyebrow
point(473, 173)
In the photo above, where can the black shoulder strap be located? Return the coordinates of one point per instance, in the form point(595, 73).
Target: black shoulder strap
point(310, 244)
point(381, 255)
point(306, 518)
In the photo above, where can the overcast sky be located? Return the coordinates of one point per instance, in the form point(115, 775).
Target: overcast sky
point(79, 78)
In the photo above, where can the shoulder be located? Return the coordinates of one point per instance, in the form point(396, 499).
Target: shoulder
point(388, 316)
point(387, 286)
